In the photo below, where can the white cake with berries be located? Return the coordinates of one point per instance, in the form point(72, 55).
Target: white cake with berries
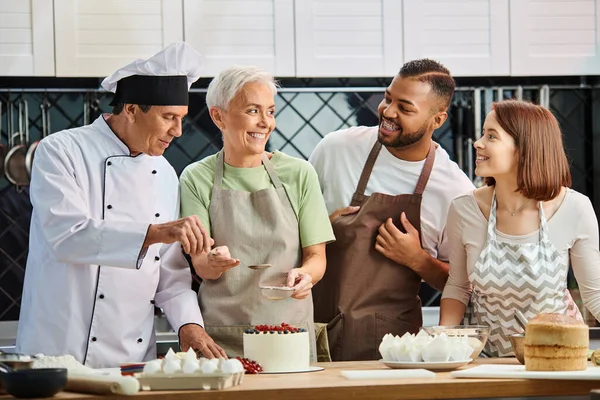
point(281, 348)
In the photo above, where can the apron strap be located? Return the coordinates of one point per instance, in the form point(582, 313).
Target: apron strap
point(491, 228)
point(271, 171)
point(219, 171)
point(543, 235)
point(426, 172)
point(543, 223)
point(367, 169)
point(265, 160)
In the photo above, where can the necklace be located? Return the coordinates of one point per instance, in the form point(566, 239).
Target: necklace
point(512, 213)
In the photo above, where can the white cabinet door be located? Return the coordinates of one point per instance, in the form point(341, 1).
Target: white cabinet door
point(470, 37)
point(348, 37)
point(242, 32)
point(94, 38)
point(26, 38)
point(558, 37)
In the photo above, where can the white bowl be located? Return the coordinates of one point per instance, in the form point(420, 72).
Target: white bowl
point(276, 292)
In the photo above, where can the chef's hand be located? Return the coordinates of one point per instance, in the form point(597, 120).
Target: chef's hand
point(343, 211)
point(301, 282)
point(188, 231)
point(194, 336)
point(402, 248)
point(219, 259)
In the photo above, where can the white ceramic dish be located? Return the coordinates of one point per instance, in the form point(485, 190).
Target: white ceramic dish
point(432, 366)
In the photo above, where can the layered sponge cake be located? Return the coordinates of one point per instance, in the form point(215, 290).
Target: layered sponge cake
point(556, 342)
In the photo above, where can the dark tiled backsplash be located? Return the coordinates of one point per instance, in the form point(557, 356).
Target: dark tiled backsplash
point(303, 118)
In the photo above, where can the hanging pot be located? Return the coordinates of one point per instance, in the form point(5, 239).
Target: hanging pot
point(3, 148)
point(91, 108)
point(457, 133)
point(15, 167)
point(86, 109)
point(45, 116)
point(469, 138)
point(95, 111)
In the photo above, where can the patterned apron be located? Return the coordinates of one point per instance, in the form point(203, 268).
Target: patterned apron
point(530, 277)
point(259, 228)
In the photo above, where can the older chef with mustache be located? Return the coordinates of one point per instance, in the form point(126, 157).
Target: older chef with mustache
point(260, 208)
point(388, 189)
point(105, 241)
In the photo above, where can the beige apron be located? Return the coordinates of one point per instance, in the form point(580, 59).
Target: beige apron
point(259, 228)
point(364, 294)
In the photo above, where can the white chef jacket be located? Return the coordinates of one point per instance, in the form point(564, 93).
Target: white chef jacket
point(87, 291)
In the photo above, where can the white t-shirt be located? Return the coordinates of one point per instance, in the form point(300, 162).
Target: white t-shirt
point(339, 160)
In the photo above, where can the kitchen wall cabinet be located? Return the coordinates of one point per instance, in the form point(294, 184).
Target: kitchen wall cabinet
point(348, 38)
point(26, 38)
point(243, 32)
point(304, 38)
point(94, 38)
point(558, 37)
point(470, 37)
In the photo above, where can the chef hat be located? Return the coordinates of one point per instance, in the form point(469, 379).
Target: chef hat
point(162, 80)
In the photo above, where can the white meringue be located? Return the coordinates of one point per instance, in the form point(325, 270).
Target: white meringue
point(387, 343)
point(190, 366)
point(171, 356)
point(190, 355)
point(460, 349)
point(438, 350)
point(209, 368)
point(172, 366)
point(422, 347)
point(232, 366)
point(153, 367)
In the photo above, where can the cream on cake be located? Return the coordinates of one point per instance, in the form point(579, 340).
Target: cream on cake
point(555, 342)
point(280, 348)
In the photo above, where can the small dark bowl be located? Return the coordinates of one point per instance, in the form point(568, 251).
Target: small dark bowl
point(34, 383)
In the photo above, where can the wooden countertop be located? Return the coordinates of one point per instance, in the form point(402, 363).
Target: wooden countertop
point(330, 384)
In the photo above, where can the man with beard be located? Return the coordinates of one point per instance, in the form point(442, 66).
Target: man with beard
point(387, 189)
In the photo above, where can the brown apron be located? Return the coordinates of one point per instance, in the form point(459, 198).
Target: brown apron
point(259, 228)
point(365, 295)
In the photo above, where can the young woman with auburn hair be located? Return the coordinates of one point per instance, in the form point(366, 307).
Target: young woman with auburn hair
point(512, 240)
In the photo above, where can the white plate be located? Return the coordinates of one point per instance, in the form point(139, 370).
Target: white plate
point(312, 368)
point(435, 366)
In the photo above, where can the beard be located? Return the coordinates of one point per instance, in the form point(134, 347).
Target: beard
point(403, 139)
